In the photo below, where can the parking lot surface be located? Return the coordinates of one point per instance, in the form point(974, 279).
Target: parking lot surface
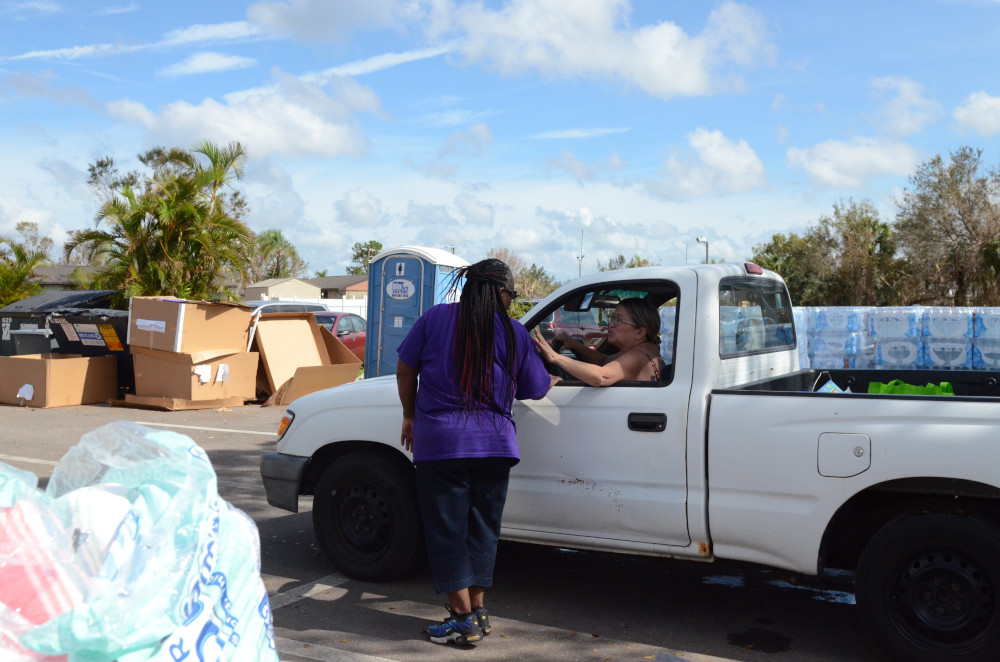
point(548, 604)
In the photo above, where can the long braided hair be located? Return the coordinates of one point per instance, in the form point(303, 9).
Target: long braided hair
point(473, 351)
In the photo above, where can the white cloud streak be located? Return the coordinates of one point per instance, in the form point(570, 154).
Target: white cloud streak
point(205, 62)
point(194, 34)
point(574, 134)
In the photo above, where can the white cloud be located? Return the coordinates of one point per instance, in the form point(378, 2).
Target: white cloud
point(591, 38)
point(274, 201)
point(359, 208)
point(468, 142)
point(848, 164)
point(290, 118)
point(20, 10)
point(25, 84)
point(715, 166)
point(218, 32)
point(324, 20)
point(572, 134)
point(908, 112)
point(580, 171)
point(474, 211)
point(383, 61)
point(200, 63)
point(118, 9)
point(980, 114)
point(194, 34)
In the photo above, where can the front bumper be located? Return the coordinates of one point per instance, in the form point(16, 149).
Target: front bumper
point(282, 475)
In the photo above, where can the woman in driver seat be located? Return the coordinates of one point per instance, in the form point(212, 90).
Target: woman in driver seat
point(634, 329)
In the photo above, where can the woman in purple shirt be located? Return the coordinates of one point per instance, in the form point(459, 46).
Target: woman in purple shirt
point(473, 361)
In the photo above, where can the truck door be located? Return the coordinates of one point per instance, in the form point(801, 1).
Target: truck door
point(609, 463)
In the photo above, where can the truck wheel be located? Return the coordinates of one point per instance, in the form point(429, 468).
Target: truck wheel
point(927, 586)
point(366, 518)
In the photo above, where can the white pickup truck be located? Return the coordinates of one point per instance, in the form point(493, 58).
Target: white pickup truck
point(733, 454)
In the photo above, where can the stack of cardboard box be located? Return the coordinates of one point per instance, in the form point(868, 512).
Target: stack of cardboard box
point(190, 354)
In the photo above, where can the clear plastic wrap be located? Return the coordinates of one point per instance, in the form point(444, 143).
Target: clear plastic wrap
point(168, 568)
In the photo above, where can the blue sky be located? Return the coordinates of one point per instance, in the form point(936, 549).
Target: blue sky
point(516, 124)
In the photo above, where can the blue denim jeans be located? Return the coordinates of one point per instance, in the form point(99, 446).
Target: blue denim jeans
point(461, 502)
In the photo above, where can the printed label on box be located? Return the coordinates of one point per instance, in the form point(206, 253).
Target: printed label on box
point(70, 332)
point(111, 338)
point(153, 326)
point(90, 335)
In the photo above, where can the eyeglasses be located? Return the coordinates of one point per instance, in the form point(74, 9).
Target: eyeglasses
point(512, 293)
point(615, 320)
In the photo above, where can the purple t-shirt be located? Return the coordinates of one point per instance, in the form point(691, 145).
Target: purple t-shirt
point(440, 429)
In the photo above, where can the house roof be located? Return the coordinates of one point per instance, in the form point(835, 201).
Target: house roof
point(271, 282)
point(59, 274)
point(337, 282)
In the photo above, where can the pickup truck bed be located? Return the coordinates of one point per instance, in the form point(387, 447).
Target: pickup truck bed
point(966, 383)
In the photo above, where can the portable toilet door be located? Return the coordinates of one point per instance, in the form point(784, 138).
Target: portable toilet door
point(402, 284)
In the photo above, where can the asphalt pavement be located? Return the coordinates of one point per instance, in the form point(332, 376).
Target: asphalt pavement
point(548, 603)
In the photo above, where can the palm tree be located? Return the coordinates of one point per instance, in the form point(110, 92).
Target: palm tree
point(17, 265)
point(275, 257)
point(180, 234)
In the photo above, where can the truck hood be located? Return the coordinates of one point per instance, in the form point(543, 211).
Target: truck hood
point(368, 410)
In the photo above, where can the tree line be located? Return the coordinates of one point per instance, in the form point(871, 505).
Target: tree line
point(941, 249)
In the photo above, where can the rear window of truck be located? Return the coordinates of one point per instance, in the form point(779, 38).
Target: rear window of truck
point(755, 317)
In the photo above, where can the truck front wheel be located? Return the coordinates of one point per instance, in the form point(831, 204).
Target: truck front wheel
point(366, 518)
point(927, 587)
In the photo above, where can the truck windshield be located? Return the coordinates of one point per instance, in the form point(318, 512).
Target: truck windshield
point(755, 316)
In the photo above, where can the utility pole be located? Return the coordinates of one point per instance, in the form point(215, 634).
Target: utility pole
point(579, 258)
point(452, 247)
point(704, 240)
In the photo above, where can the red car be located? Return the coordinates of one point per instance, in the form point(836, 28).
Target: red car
point(584, 326)
point(349, 329)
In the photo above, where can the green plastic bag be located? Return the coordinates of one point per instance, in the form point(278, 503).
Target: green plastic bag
point(899, 387)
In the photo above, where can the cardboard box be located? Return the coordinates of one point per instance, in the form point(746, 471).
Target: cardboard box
point(177, 325)
point(206, 375)
point(57, 380)
point(298, 356)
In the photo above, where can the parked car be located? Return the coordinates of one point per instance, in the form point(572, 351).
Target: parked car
point(584, 326)
point(286, 307)
point(348, 327)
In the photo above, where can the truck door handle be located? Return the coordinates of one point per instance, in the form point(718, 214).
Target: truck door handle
point(647, 422)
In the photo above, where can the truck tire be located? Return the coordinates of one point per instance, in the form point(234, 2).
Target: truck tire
point(927, 587)
point(366, 518)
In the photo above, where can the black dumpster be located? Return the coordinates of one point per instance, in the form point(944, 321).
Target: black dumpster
point(95, 332)
point(69, 322)
point(24, 327)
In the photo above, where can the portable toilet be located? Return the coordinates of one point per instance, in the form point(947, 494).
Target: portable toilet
point(402, 283)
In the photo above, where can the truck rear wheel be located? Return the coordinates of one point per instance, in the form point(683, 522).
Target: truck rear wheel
point(927, 587)
point(366, 518)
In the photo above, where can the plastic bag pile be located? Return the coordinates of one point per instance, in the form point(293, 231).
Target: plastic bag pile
point(129, 554)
